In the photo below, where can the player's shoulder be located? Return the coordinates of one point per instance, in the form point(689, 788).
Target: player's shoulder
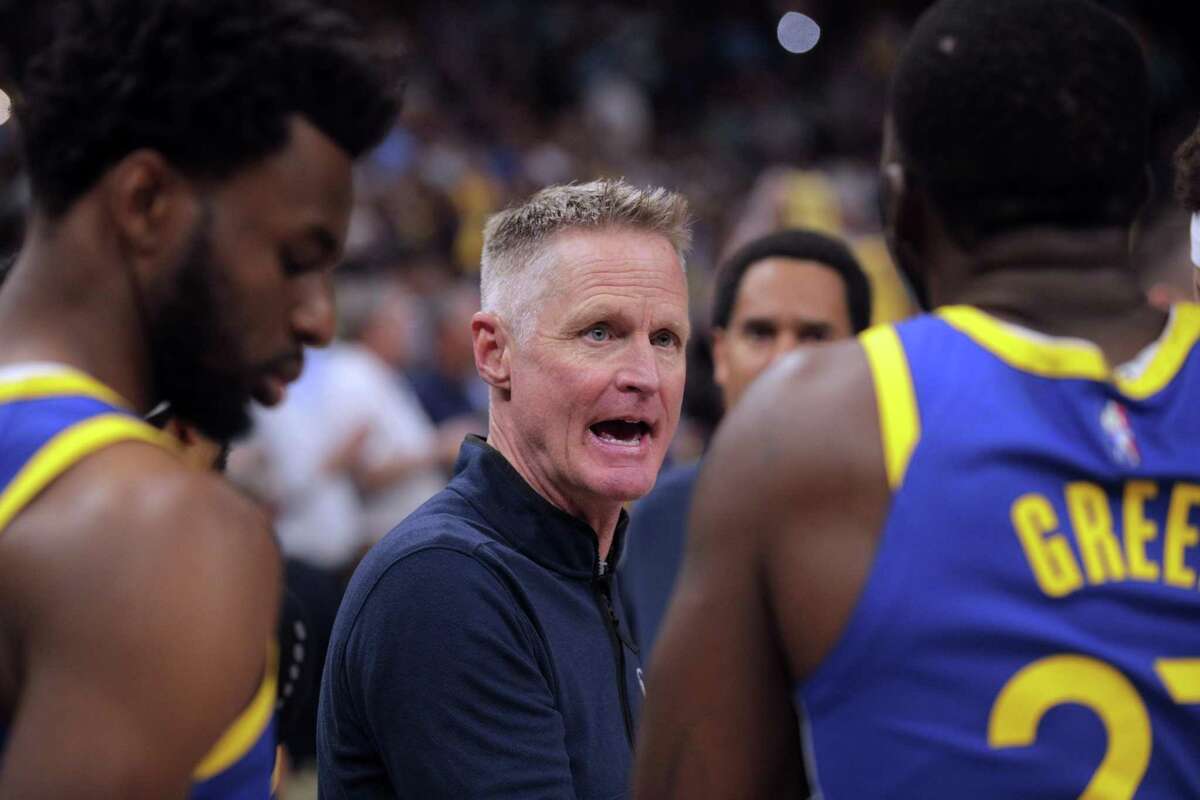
point(809, 420)
point(134, 507)
point(129, 548)
point(150, 492)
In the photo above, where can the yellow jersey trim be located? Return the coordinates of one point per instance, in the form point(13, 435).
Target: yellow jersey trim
point(67, 383)
point(246, 730)
point(65, 449)
point(1173, 349)
point(1068, 358)
point(899, 422)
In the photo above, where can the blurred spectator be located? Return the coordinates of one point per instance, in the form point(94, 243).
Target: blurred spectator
point(395, 455)
point(350, 452)
point(448, 386)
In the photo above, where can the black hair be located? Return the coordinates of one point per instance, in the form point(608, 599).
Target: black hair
point(1022, 113)
point(702, 401)
point(210, 84)
point(1187, 172)
point(803, 245)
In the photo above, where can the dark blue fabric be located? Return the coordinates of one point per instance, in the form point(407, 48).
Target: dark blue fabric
point(654, 552)
point(471, 656)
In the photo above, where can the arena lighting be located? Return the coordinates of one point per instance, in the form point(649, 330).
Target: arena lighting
point(798, 33)
point(5, 107)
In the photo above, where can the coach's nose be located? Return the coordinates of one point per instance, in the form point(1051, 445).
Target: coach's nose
point(639, 370)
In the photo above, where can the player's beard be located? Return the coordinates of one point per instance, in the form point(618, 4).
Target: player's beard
point(194, 349)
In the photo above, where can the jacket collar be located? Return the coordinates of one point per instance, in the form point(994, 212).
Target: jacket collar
point(526, 521)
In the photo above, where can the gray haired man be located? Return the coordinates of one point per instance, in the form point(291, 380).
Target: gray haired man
point(480, 650)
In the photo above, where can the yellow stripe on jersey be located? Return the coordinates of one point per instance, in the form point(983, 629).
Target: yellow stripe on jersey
point(1065, 358)
point(899, 423)
point(67, 383)
point(1042, 356)
point(67, 448)
point(1173, 350)
point(247, 728)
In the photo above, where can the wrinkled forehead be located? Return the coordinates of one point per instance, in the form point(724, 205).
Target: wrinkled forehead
point(576, 260)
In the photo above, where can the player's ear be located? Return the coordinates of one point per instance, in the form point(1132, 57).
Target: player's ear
point(492, 341)
point(150, 206)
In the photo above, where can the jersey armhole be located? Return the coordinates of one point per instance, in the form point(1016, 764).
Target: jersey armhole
point(245, 731)
point(895, 400)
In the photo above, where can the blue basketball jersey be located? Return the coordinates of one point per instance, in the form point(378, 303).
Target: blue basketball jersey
point(1031, 624)
point(50, 419)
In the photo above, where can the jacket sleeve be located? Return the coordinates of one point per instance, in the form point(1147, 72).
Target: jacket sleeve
point(444, 668)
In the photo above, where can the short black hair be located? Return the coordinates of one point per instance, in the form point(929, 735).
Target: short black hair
point(803, 245)
point(211, 84)
point(1187, 172)
point(1022, 113)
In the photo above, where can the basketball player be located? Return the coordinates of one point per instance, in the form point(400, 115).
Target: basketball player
point(190, 165)
point(966, 544)
point(295, 673)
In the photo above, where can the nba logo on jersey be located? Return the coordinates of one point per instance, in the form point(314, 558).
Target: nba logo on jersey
point(1121, 444)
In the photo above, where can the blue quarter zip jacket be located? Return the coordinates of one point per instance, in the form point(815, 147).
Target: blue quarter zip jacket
point(481, 651)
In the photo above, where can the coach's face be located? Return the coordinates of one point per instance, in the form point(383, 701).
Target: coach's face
point(598, 382)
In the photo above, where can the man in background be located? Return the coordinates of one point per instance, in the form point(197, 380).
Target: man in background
point(776, 293)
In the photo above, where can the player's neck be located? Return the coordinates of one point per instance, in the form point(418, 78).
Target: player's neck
point(1061, 284)
point(58, 306)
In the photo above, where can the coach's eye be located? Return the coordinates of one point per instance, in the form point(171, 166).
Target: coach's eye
point(664, 339)
point(598, 333)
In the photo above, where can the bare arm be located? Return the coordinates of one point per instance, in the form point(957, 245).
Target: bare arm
point(782, 530)
point(148, 615)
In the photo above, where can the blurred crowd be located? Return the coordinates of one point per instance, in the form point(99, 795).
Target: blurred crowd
point(508, 96)
point(503, 98)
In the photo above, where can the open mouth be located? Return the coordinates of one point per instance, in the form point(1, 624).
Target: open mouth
point(626, 432)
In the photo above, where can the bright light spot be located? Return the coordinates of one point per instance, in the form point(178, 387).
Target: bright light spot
point(797, 32)
point(5, 108)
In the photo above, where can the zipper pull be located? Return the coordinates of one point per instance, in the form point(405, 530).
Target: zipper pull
point(601, 568)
